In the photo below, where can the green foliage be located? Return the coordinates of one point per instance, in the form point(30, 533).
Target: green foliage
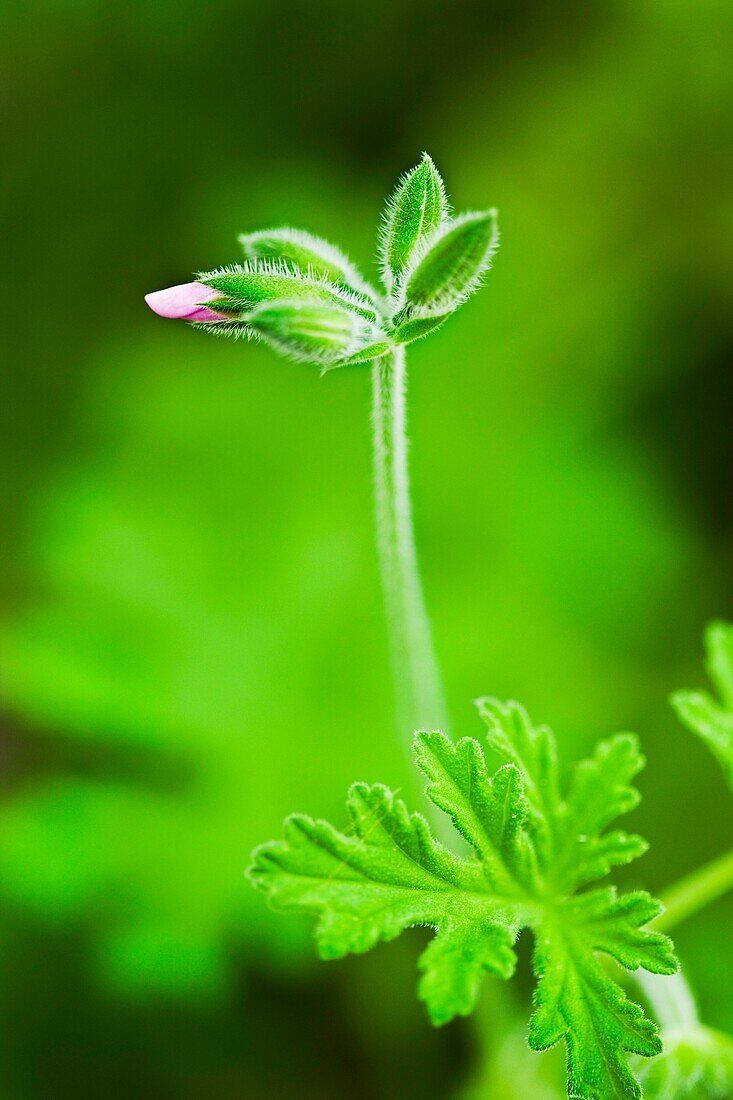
point(306, 299)
point(570, 600)
point(174, 600)
point(532, 846)
point(697, 1064)
point(712, 719)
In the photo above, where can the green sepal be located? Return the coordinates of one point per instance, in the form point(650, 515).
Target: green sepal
point(449, 264)
point(365, 355)
point(416, 324)
point(245, 286)
point(417, 207)
point(311, 255)
point(236, 329)
point(311, 331)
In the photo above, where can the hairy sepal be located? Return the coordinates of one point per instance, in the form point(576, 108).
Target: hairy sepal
point(234, 329)
point(449, 264)
point(366, 354)
point(323, 333)
point(312, 256)
point(413, 324)
point(245, 286)
point(417, 207)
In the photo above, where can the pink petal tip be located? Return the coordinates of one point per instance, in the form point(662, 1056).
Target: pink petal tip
point(184, 303)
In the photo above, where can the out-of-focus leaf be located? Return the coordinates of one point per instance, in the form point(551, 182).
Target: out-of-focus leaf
point(696, 1064)
point(712, 719)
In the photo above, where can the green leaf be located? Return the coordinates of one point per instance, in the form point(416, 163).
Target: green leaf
point(532, 845)
point(572, 847)
point(599, 792)
point(417, 207)
point(711, 719)
point(307, 253)
point(387, 874)
point(489, 812)
point(577, 1001)
point(454, 963)
point(324, 333)
point(532, 750)
point(450, 263)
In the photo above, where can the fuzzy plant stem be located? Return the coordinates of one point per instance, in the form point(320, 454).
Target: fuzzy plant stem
point(418, 688)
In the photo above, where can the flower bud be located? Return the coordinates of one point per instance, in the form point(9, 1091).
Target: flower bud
point(186, 303)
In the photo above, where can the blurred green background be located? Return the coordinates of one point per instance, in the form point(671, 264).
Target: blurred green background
point(191, 635)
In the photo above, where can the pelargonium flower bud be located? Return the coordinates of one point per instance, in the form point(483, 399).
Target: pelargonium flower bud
point(186, 303)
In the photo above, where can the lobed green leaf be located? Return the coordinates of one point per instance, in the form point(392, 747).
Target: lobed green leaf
point(488, 811)
point(388, 874)
point(576, 999)
point(532, 846)
point(532, 750)
point(600, 791)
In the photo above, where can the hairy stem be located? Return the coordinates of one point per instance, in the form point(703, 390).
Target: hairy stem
point(696, 891)
point(418, 688)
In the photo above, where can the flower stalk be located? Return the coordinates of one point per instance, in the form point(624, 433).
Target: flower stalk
point(419, 692)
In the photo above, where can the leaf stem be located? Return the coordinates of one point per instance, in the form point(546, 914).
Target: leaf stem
point(695, 891)
point(418, 687)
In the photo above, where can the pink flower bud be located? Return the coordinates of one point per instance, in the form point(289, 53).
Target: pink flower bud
point(184, 303)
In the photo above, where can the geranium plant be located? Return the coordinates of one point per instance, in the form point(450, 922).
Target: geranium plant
point(534, 847)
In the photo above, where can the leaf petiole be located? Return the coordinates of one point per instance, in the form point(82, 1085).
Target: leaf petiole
point(695, 891)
